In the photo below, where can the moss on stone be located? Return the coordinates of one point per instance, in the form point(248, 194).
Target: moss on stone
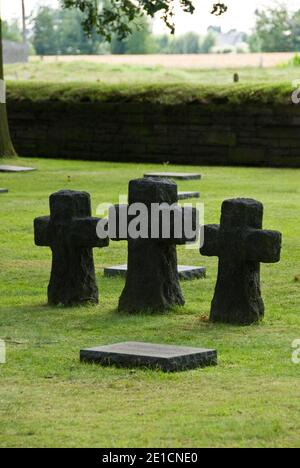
point(173, 94)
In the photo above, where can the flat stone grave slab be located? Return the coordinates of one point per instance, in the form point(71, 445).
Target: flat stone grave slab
point(188, 195)
point(168, 358)
point(6, 168)
point(174, 175)
point(185, 272)
point(3, 190)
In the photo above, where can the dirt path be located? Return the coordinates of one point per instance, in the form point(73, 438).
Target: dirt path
point(182, 61)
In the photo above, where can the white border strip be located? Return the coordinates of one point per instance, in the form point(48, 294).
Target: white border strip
point(2, 92)
point(2, 83)
point(2, 352)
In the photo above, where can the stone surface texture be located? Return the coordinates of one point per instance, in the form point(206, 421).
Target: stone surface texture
point(168, 358)
point(241, 244)
point(70, 231)
point(152, 280)
point(197, 134)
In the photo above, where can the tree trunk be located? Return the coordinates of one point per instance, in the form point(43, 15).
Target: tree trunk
point(6, 146)
point(24, 23)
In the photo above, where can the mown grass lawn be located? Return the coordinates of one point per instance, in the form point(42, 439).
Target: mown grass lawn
point(123, 74)
point(48, 398)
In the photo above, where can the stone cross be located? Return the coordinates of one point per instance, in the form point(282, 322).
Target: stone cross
point(152, 281)
point(241, 245)
point(70, 231)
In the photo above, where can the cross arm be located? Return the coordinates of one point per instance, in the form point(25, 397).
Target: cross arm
point(263, 246)
point(85, 233)
point(189, 225)
point(210, 247)
point(41, 231)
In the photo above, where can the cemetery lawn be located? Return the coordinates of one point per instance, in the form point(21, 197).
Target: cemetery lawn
point(49, 399)
point(103, 73)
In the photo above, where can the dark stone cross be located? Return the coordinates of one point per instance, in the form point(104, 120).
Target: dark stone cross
point(241, 245)
point(152, 281)
point(70, 231)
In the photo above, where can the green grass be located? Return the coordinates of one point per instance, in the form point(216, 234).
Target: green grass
point(49, 399)
point(171, 94)
point(38, 81)
point(141, 74)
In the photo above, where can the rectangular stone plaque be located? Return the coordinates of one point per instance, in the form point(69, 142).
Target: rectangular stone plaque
point(188, 195)
point(174, 175)
point(169, 358)
point(7, 168)
point(185, 272)
point(3, 190)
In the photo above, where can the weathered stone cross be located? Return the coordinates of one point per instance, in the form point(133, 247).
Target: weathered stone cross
point(241, 244)
point(70, 231)
point(152, 282)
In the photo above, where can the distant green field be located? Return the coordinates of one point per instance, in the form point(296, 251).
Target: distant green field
point(134, 74)
point(49, 399)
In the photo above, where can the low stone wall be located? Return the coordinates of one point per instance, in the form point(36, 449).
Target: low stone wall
point(14, 52)
point(182, 134)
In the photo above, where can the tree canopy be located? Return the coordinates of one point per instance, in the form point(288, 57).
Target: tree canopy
point(277, 30)
point(116, 17)
point(59, 32)
point(11, 31)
